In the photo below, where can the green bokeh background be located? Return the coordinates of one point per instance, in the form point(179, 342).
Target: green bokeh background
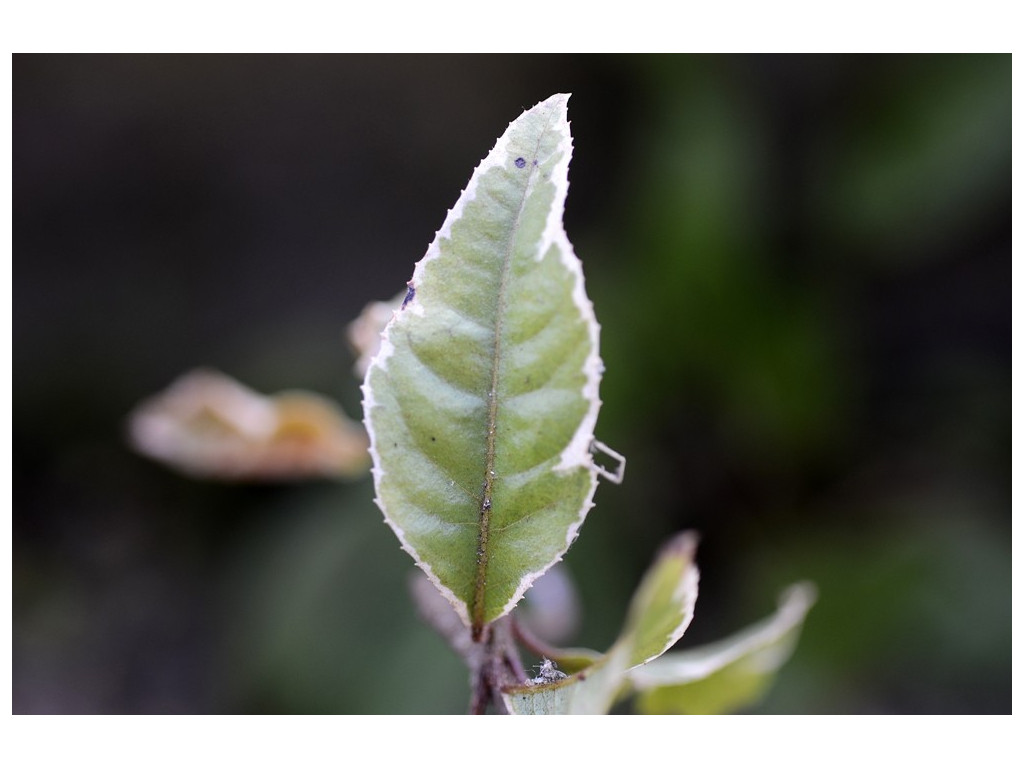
point(801, 265)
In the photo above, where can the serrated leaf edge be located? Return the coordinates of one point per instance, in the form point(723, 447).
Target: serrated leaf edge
point(578, 452)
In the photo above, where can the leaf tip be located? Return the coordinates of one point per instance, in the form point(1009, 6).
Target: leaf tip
point(799, 598)
point(683, 545)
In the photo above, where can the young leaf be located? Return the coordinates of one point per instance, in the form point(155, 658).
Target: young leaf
point(727, 675)
point(659, 613)
point(662, 607)
point(482, 400)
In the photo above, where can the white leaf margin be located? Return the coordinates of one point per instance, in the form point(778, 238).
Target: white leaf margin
point(767, 644)
point(595, 689)
point(579, 451)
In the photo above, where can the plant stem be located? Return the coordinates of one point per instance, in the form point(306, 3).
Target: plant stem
point(495, 664)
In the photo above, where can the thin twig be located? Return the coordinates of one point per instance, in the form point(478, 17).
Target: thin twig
point(533, 643)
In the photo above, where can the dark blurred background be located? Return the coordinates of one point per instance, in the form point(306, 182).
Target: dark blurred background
point(801, 265)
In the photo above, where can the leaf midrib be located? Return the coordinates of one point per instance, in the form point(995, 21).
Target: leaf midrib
point(478, 609)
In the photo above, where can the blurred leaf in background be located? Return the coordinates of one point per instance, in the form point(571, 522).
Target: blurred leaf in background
point(208, 425)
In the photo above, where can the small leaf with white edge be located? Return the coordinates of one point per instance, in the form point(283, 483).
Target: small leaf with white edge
point(659, 613)
point(482, 399)
point(727, 675)
point(662, 607)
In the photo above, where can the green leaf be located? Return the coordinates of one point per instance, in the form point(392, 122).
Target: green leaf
point(482, 400)
point(727, 675)
point(659, 613)
point(590, 692)
point(662, 607)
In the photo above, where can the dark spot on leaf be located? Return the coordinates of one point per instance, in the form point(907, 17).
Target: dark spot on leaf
point(520, 162)
point(410, 294)
point(433, 439)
